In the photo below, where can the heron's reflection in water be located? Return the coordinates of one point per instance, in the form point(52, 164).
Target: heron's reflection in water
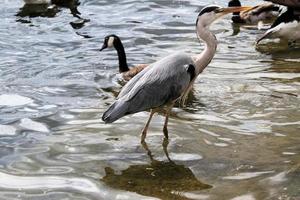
point(162, 179)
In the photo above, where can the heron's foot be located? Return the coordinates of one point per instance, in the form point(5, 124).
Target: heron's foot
point(165, 130)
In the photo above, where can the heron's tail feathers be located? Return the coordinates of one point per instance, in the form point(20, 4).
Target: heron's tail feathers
point(115, 112)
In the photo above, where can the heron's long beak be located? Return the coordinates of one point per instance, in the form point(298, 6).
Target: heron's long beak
point(225, 11)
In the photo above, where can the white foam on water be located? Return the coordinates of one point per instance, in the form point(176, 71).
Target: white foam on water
point(7, 130)
point(83, 122)
point(278, 178)
point(246, 175)
point(33, 125)
point(288, 153)
point(207, 142)
point(26, 109)
point(195, 196)
point(46, 107)
point(209, 118)
point(14, 100)
point(244, 197)
point(220, 144)
point(67, 116)
point(185, 156)
point(209, 132)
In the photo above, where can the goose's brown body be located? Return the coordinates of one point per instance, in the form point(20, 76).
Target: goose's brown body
point(133, 71)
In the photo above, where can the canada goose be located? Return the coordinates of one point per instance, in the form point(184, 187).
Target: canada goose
point(169, 79)
point(127, 73)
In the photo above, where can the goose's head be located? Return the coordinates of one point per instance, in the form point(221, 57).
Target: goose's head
point(110, 41)
point(212, 12)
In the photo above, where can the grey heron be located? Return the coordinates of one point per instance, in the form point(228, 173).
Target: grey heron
point(287, 25)
point(126, 72)
point(262, 12)
point(169, 79)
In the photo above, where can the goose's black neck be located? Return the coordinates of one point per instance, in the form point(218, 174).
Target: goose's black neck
point(123, 67)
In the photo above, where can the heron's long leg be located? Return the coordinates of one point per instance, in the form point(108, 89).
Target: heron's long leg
point(144, 132)
point(165, 130)
point(165, 148)
point(144, 144)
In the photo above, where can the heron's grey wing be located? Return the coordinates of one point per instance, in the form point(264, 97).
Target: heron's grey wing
point(157, 92)
point(130, 84)
point(164, 81)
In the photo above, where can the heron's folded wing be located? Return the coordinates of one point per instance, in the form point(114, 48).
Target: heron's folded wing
point(130, 84)
point(154, 90)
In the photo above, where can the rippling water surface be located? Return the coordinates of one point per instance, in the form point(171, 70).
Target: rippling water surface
point(238, 137)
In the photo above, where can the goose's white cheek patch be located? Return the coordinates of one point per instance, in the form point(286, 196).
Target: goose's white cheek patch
point(110, 42)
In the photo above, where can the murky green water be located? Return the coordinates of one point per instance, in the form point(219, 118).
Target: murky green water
point(238, 137)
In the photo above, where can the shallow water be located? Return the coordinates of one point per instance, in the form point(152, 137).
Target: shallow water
point(238, 137)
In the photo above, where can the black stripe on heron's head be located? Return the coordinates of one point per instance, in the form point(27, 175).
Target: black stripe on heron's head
point(207, 9)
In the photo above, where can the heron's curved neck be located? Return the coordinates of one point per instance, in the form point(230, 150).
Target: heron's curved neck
point(203, 59)
point(123, 67)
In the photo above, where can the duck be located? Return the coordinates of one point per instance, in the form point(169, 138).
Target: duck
point(286, 27)
point(127, 73)
point(71, 4)
point(263, 12)
point(35, 8)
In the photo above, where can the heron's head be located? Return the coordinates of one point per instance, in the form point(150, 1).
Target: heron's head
point(212, 12)
point(110, 41)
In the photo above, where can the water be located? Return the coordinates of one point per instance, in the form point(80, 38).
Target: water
point(238, 137)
